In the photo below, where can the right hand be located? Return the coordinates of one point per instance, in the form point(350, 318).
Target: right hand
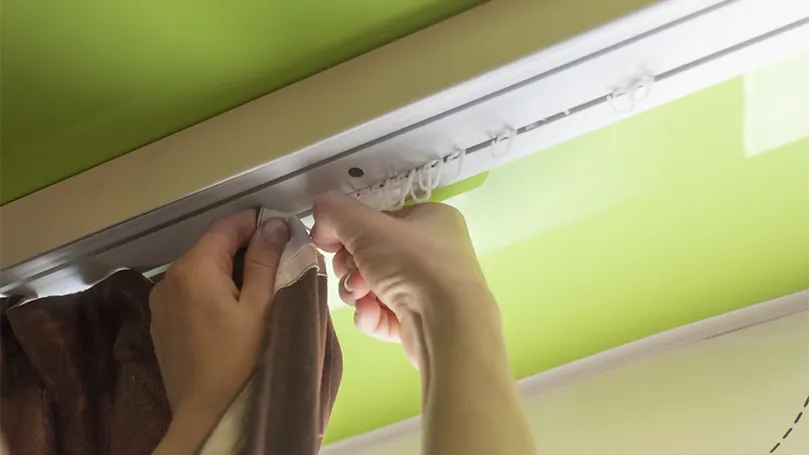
point(413, 277)
point(400, 268)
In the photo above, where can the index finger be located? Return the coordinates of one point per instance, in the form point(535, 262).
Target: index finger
point(224, 236)
point(338, 220)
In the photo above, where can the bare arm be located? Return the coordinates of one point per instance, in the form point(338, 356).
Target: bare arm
point(413, 278)
point(471, 405)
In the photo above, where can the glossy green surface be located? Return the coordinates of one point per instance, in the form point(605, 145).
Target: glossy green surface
point(660, 220)
point(85, 81)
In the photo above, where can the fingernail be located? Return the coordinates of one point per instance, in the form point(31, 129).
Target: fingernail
point(346, 285)
point(275, 231)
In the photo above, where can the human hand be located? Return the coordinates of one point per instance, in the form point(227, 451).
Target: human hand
point(413, 277)
point(403, 267)
point(207, 333)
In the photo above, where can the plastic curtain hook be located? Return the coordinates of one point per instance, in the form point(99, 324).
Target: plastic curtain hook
point(459, 157)
point(387, 190)
point(426, 188)
point(641, 89)
point(508, 138)
point(621, 101)
point(403, 188)
point(624, 100)
point(436, 167)
point(417, 183)
point(423, 172)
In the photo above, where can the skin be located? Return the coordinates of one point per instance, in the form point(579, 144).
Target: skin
point(426, 292)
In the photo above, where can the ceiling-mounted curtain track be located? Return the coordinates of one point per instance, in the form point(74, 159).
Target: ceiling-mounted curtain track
point(646, 59)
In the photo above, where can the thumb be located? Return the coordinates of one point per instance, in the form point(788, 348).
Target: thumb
point(261, 261)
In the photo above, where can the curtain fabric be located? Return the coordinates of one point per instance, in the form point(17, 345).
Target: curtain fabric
point(78, 374)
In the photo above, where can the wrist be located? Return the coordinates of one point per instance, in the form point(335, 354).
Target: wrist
point(465, 318)
point(187, 431)
point(468, 303)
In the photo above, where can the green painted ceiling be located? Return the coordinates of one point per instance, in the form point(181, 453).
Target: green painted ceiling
point(657, 221)
point(85, 81)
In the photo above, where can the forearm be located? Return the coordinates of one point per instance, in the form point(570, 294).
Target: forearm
point(470, 401)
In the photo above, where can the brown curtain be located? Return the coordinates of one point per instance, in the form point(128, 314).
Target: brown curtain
point(79, 374)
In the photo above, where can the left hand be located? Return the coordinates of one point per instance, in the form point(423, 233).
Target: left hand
point(207, 333)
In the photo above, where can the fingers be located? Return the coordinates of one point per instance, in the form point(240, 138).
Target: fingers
point(225, 236)
point(375, 320)
point(261, 262)
point(353, 287)
point(339, 220)
point(343, 262)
